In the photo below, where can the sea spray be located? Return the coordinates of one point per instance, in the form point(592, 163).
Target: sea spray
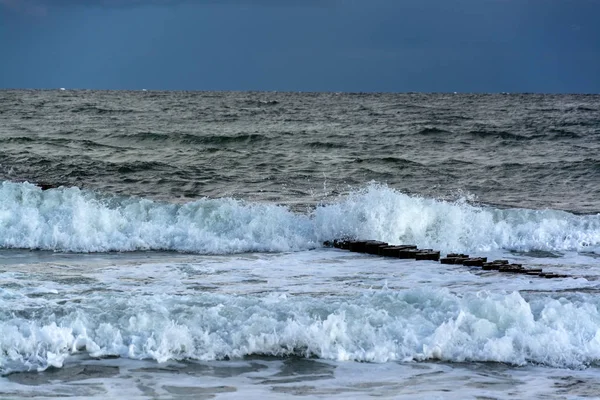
point(70, 219)
point(380, 326)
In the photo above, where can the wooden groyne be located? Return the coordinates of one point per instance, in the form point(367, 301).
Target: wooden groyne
point(409, 251)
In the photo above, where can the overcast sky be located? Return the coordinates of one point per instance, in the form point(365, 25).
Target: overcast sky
point(302, 45)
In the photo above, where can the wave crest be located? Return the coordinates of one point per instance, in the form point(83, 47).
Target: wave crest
point(378, 327)
point(70, 219)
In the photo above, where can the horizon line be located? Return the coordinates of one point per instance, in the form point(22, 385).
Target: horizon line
point(145, 90)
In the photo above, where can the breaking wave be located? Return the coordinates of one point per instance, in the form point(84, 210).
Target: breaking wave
point(70, 219)
point(382, 326)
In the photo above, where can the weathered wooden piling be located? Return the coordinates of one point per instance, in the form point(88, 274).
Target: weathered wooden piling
point(394, 251)
point(533, 271)
point(491, 266)
point(372, 246)
point(454, 258)
point(390, 251)
point(46, 186)
point(474, 262)
point(357, 246)
point(337, 243)
point(550, 275)
point(512, 268)
point(376, 247)
point(406, 254)
point(428, 255)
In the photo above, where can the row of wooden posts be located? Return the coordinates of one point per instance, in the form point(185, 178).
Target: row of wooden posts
point(406, 251)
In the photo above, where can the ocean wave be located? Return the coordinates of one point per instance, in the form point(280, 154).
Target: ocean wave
point(187, 138)
point(504, 135)
point(382, 326)
point(70, 219)
point(433, 131)
point(95, 109)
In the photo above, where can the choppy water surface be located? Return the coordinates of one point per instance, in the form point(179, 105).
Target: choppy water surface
point(179, 253)
point(527, 151)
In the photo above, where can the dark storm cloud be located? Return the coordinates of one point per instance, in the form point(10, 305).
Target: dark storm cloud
point(331, 45)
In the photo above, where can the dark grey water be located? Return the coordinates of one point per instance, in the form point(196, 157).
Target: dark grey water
point(522, 150)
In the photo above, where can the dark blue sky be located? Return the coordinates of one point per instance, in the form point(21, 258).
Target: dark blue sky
point(302, 45)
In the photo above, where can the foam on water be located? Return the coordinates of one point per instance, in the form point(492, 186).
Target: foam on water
point(381, 326)
point(383, 213)
point(80, 221)
point(69, 219)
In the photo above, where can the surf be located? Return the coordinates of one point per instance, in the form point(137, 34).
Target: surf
point(76, 220)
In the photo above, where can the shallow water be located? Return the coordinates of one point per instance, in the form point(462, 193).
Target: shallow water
point(305, 378)
point(421, 327)
point(126, 282)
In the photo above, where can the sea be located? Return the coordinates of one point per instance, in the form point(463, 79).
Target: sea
point(169, 245)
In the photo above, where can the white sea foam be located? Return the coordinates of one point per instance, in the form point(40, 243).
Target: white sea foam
point(69, 219)
point(74, 220)
point(385, 214)
point(375, 327)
